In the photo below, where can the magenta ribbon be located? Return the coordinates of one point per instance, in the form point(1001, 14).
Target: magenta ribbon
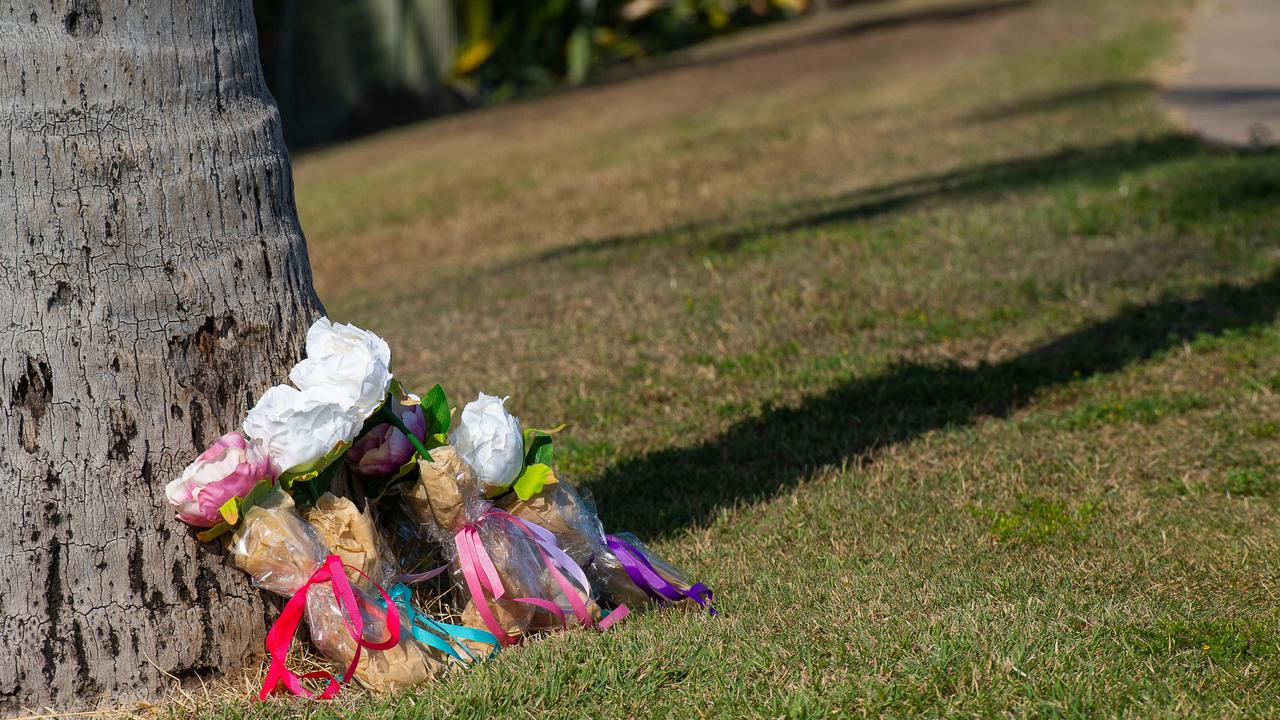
point(280, 636)
point(646, 576)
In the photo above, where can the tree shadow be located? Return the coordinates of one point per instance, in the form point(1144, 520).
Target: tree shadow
point(1103, 163)
point(1107, 92)
point(761, 457)
point(1190, 96)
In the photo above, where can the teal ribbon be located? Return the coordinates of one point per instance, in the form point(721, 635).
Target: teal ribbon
point(433, 632)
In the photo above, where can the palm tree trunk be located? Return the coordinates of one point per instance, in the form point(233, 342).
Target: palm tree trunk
point(153, 281)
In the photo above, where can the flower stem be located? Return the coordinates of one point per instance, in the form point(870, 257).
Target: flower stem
point(390, 416)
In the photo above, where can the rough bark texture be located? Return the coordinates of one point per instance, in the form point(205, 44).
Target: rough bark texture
point(153, 281)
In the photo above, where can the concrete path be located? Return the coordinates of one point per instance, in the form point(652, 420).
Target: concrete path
point(1230, 91)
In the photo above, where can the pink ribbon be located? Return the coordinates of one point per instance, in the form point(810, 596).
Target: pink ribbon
point(482, 577)
point(280, 636)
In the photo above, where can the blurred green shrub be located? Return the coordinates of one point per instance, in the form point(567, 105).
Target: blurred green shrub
point(511, 45)
point(342, 68)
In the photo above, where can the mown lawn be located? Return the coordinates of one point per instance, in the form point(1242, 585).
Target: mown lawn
point(919, 333)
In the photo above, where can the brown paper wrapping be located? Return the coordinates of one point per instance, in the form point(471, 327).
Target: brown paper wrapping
point(351, 535)
point(543, 620)
point(513, 617)
point(436, 498)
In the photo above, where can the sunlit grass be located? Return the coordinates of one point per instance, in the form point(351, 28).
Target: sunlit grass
point(945, 358)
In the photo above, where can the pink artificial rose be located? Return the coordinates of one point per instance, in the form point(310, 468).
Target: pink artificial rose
point(384, 449)
point(229, 468)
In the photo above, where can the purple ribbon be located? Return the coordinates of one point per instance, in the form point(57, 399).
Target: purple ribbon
point(411, 578)
point(646, 576)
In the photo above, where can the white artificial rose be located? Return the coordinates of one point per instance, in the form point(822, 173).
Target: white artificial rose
point(352, 365)
point(299, 427)
point(488, 440)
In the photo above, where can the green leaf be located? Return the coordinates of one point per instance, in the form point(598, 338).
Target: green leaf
point(528, 432)
point(544, 454)
point(321, 470)
point(435, 407)
point(532, 480)
point(257, 494)
point(319, 485)
point(405, 469)
point(234, 509)
point(539, 450)
point(230, 511)
point(214, 532)
point(377, 488)
point(538, 445)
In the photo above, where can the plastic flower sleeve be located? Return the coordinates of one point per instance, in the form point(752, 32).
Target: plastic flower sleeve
point(517, 569)
point(559, 508)
point(627, 572)
point(446, 499)
point(516, 578)
point(286, 555)
point(658, 579)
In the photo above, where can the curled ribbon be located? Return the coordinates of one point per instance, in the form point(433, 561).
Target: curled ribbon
point(647, 578)
point(411, 578)
point(280, 636)
point(436, 634)
point(482, 577)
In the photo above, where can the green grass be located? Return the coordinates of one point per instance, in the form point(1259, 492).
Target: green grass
point(1146, 410)
point(1035, 521)
point(945, 358)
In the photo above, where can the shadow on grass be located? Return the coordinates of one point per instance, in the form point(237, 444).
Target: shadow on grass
point(1101, 93)
point(760, 457)
point(1101, 164)
point(1214, 96)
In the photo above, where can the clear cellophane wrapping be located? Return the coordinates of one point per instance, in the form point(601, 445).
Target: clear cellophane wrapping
point(280, 551)
point(446, 497)
point(570, 514)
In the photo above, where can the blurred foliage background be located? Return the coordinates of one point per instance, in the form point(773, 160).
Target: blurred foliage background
point(342, 68)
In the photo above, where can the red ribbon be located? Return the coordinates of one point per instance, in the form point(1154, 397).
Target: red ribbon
point(280, 636)
point(482, 576)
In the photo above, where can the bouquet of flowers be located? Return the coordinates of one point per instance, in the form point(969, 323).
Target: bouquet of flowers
point(517, 579)
point(287, 555)
point(525, 551)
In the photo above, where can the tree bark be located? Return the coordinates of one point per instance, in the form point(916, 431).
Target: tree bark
point(153, 282)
